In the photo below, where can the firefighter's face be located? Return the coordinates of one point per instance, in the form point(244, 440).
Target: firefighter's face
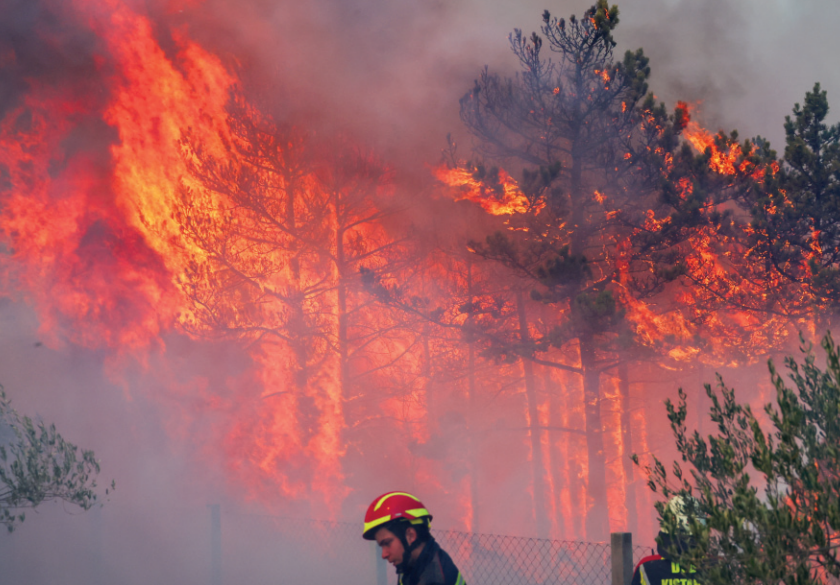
point(392, 547)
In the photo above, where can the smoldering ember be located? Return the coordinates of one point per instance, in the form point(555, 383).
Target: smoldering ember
point(269, 260)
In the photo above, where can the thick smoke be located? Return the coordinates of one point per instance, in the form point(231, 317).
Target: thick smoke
point(389, 73)
point(394, 71)
point(747, 63)
point(44, 46)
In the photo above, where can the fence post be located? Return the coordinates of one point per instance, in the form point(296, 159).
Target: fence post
point(621, 555)
point(215, 544)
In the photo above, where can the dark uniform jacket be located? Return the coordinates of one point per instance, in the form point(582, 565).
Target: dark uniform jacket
point(432, 567)
point(656, 570)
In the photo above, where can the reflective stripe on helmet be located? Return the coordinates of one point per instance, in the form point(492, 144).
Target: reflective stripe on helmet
point(375, 523)
point(384, 498)
point(418, 512)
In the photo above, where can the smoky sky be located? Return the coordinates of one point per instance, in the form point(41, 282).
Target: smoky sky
point(43, 43)
point(393, 71)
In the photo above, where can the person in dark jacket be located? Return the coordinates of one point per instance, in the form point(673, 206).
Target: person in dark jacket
point(659, 569)
point(399, 523)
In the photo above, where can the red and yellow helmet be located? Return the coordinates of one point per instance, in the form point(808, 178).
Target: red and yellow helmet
point(394, 506)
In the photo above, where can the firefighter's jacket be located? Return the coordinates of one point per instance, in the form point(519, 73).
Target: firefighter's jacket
point(432, 567)
point(655, 570)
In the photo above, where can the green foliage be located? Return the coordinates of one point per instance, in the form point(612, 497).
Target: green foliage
point(812, 184)
point(795, 209)
point(592, 316)
point(37, 464)
point(767, 507)
point(595, 313)
point(562, 270)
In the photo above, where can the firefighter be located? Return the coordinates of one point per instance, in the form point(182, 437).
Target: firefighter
point(659, 569)
point(399, 523)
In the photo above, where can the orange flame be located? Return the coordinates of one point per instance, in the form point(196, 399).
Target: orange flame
point(722, 162)
point(511, 200)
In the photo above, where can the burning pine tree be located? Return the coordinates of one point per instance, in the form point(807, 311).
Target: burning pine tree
point(599, 218)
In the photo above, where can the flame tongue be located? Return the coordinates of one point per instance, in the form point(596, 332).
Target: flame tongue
point(95, 243)
point(79, 213)
point(286, 444)
point(89, 273)
point(721, 161)
point(155, 100)
point(504, 198)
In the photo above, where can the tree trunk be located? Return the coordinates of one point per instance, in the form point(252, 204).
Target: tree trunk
point(627, 450)
point(473, 439)
point(576, 194)
point(428, 386)
point(556, 458)
point(298, 318)
point(597, 513)
point(537, 463)
point(341, 308)
point(472, 426)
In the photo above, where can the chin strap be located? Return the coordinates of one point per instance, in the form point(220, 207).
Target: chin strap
point(408, 548)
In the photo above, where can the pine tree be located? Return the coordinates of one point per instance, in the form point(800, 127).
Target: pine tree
point(795, 227)
point(594, 151)
point(275, 229)
point(38, 465)
point(764, 498)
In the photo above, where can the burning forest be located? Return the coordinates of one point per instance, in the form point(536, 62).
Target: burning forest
point(216, 276)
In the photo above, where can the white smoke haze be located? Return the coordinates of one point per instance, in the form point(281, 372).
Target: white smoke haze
point(381, 67)
point(746, 62)
point(390, 73)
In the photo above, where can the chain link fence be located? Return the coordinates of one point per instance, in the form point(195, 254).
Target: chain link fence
point(305, 552)
point(489, 559)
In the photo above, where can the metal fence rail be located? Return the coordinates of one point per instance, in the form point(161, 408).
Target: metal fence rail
point(318, 552)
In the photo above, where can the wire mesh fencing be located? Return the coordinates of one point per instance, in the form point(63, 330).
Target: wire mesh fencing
point(304, 552)
point(489, 559)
